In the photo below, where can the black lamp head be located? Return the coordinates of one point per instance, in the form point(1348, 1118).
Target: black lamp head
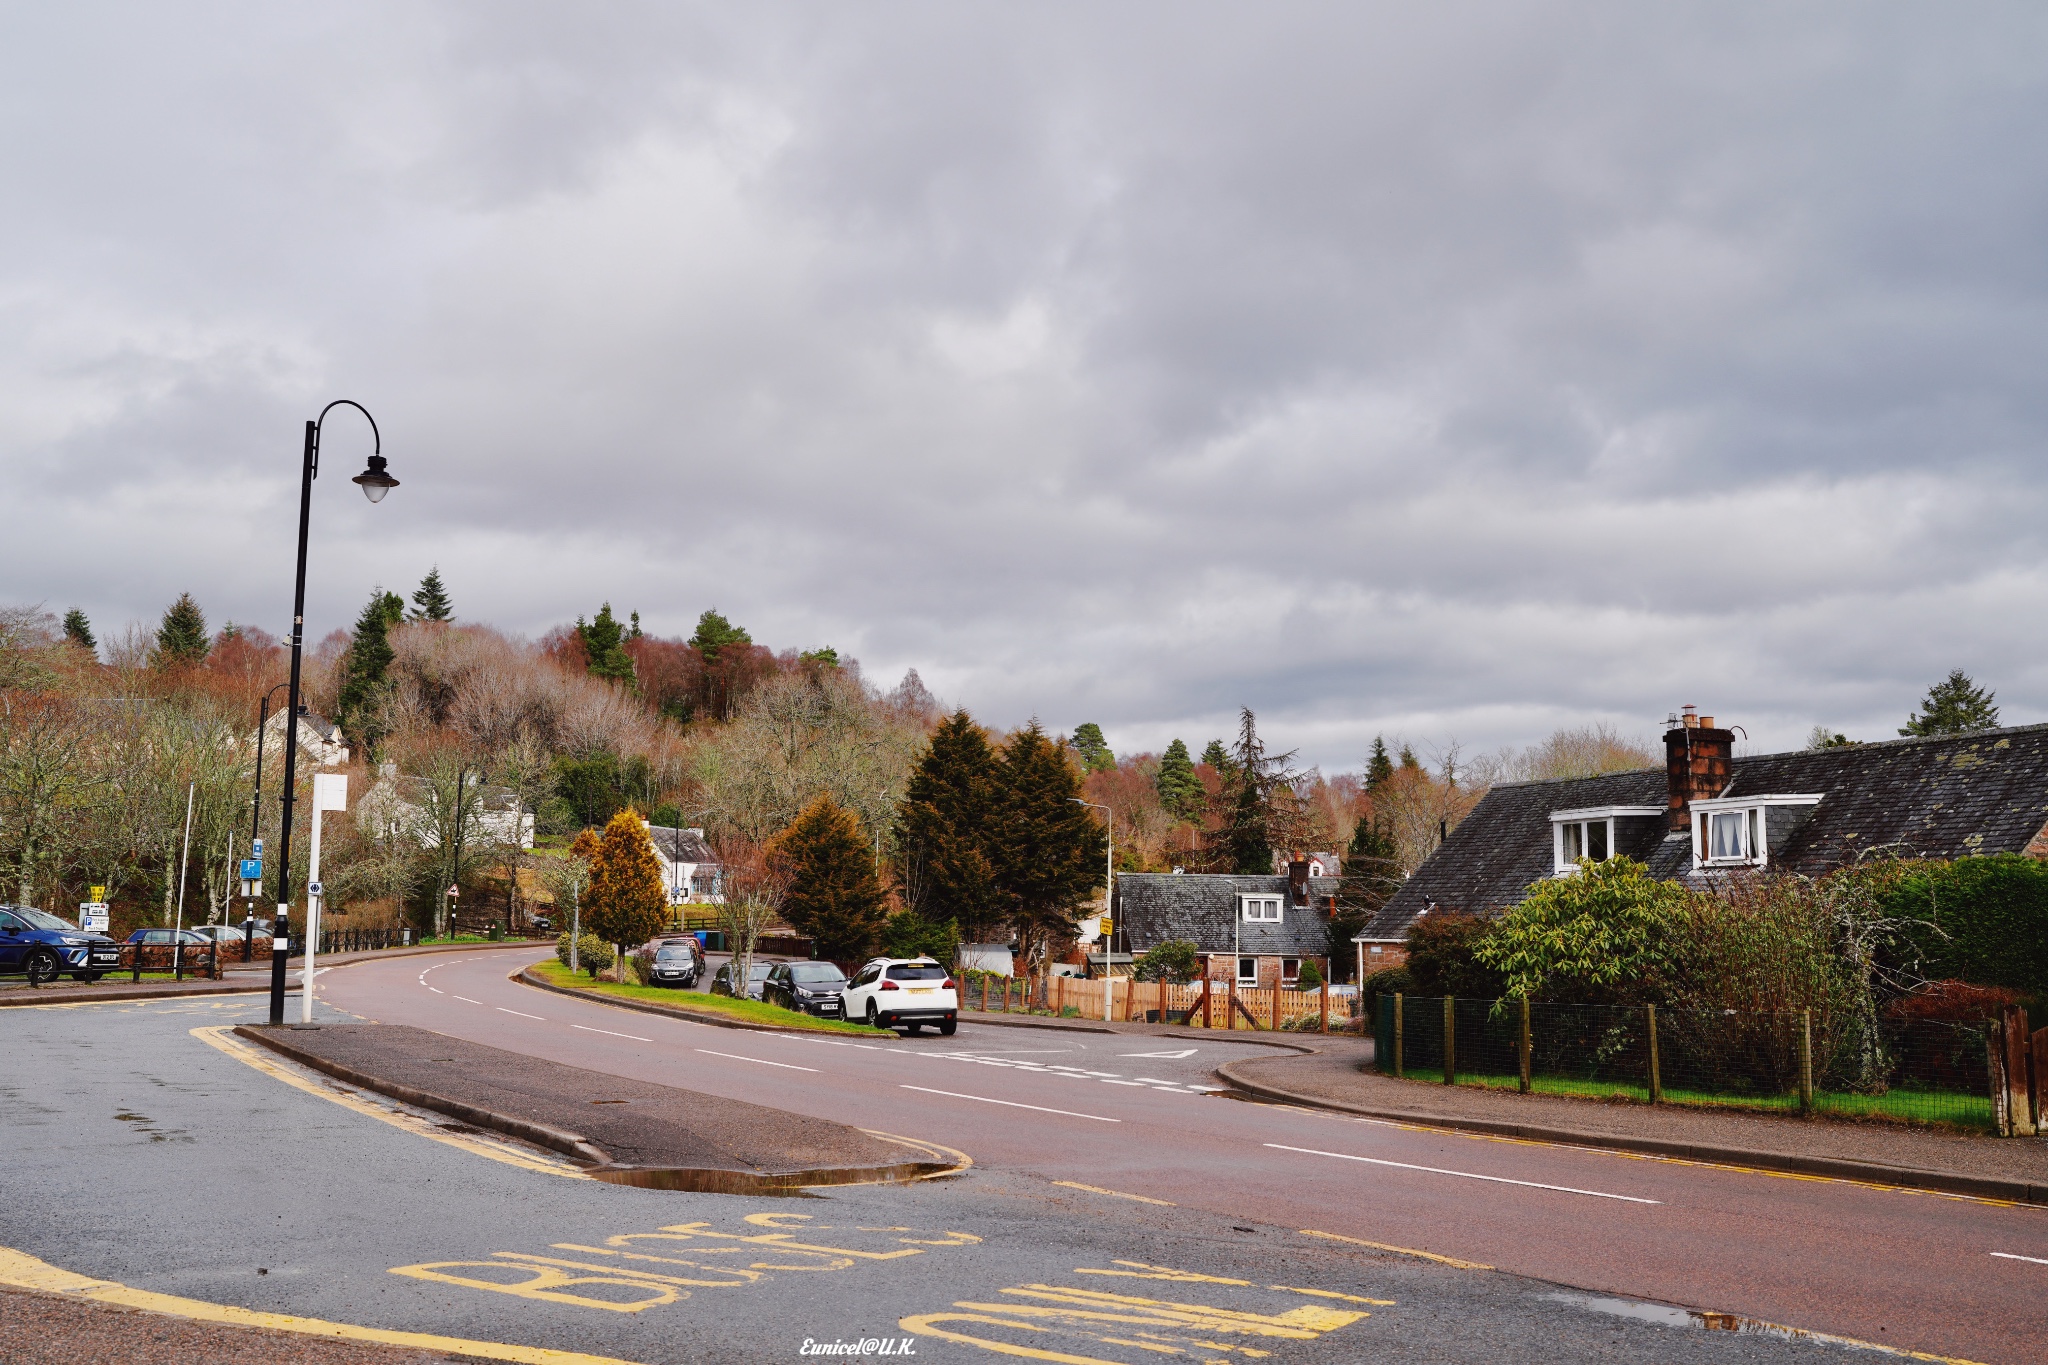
point(374, 482)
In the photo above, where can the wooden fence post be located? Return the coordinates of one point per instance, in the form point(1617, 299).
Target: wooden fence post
point(2037, 1080)
point(1230, 1009)
point(1656, 1077)
point(1205, 1002)
point(1524, 1049)
point(1397, 1034)
point(1450, 1041)
point(2013, 1040)
point(1806, 1061)
point(1325, 1003)
point(1279, 994)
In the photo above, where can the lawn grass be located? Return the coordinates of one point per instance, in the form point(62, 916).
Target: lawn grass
point(698, 1002)
point(1908, 1106)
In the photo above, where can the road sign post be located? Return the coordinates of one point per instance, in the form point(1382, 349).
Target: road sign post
point(330, 792)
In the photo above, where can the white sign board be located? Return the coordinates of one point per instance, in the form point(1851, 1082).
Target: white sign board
point(92, 916)
point(330, 791)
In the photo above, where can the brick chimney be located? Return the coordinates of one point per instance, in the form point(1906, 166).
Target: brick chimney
point(1297, 880)
point(1696, 763)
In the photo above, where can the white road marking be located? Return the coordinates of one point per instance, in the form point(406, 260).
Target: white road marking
point(1111, 1080)
point(1469, 1175)
point(502, 1010)
point(2010, 1256)
point(635, 1037)
point(1012, 1104)
point(435, 989)
point(1154, 1080)
point(467, 1001)
point(1184, 1052)
point(737, 1058)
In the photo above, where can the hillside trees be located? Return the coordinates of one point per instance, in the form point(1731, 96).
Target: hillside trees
point(359, 703)
point(1092, 749)
point(1050, 850)
point(1180, 790)
point(603, 642)
point(1953, 706)
point(946, 836)
point(78, 630)
point(182, 638)
point(430, 599)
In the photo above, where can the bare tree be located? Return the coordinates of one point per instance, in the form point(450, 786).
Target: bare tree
point(753, 884)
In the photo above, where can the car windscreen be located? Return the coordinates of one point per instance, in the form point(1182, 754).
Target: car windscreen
point(37, 919)
point(674, 954)
point(917, 971)
point(815, 974)
point(759, 971)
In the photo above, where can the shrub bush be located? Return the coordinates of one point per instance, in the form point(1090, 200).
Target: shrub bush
point(594, 954)
point(1600, 936)
point(1175, 961)
point(1987, 917)
point(1385, 981)
point(1443, 957)
point(1311, 977)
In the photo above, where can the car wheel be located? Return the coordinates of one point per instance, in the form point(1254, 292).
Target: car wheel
point(948, 1027)
point(42, 966)
point(874, 1019)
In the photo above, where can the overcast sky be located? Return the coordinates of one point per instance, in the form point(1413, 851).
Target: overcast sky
point(1443, 371)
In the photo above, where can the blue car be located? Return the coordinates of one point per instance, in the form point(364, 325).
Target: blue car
point(45, 947)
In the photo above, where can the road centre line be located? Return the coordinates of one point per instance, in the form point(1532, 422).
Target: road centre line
point(2011, 1256)
point(502, 1010)
point(1115, 1194)
point(1012, 1104)
point(635, 1037)
point(467, 1001)
point(1469, 1175)
point(738, 1058)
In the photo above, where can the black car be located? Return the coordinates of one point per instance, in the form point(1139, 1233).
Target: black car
point(677, 963)
point(721, 984)
point(810, 987)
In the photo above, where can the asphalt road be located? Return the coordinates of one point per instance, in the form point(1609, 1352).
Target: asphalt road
point(160, 1161)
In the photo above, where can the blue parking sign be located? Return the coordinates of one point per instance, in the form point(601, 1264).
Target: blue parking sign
point(252, 869)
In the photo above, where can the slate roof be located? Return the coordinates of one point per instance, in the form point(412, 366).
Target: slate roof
point(682, 845)
point(1946, 797)
point(1152, 907)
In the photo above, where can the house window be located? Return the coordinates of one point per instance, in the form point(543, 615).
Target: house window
point(1729, 836)
point(1262, 909)
point(1578, 839)
point(1734, 831)
point(1290, 968)
point(1247, 971)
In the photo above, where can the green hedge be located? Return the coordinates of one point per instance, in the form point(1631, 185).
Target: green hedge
point(1992, 918)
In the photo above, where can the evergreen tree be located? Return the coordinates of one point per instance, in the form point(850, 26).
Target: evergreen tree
point(634, 633)
point(1244, 844)
point(1216, 756)
point(430, 600)
point(1180, 788)
point(1051, 850)
point(834, 895)
point(1093, 748)
point(1409, 762)
point(625, 904)
point(714, 633)
point(182, 638)
point(78, 630)
point(946, 826)
point(1379, 767)
point(604, 645)
point(827, 657)
point(1955, 706)
point(1372, 873)
point(363, 668)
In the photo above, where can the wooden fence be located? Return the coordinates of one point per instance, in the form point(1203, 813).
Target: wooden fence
point(1203, 1004)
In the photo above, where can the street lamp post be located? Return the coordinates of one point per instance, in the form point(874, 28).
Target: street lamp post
point(256, 820)
point(1108, 903)
point(375, 483)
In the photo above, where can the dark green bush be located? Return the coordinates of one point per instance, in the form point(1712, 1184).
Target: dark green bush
point(1441, 960)
point(1385, 981)
point(1988, 921)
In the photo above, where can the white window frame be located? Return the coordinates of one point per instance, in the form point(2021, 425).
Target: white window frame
point(1590, 815)
point(1755, 826)
point(1285, 975)
point(1242, 979)
point(1245, 905)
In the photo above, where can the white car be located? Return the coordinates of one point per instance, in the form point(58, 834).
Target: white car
point(896, 992)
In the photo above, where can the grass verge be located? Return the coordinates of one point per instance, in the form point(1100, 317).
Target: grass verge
point(696, 1002)
point(1955, 1108)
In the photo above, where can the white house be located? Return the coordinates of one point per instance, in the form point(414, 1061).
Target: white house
point(689, 869)
point(320, 742)
point(395, 801)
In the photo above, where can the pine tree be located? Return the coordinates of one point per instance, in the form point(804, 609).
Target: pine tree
point(1051, 850)
point(78, 630)
point(826, 657)
point(834, 896)
point(1409, 762)
point(1180, 788)
point(946, 826)
point(363, 669)
point(1093, 748)
point(182, 639)
point(1379, 767)
point(1955, 706)
point(1244, 844)
point(1216, 756)
point(1371, 876)
point(604, 645)
point(714, 633)
point(430, 600)
point(626, 903)
point(634, 633)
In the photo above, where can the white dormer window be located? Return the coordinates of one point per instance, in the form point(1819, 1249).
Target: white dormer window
point(1589, 833)
point(1261, 909)
point(1734, 831)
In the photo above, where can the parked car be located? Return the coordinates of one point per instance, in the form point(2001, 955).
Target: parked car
point(893, 992)
point(230, 933)
point(809, 987)
point(164, 938)
point(43, 946)
point(721, 984)
point(677, 963)
point(544, 924)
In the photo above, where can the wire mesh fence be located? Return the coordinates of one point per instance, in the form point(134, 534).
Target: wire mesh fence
point(1914, 1070)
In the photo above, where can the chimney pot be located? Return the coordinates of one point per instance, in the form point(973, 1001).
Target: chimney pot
point(1697, 764)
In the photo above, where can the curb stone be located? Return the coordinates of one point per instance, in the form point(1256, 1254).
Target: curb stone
point(1838, 1168)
